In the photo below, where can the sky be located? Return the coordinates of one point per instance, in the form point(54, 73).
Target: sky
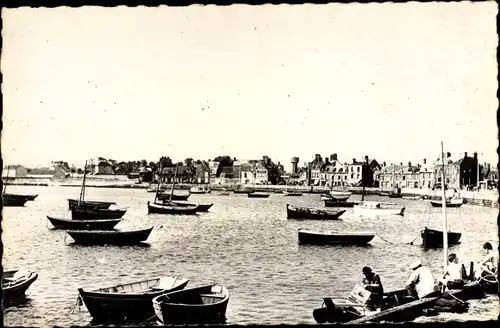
point(390, 81)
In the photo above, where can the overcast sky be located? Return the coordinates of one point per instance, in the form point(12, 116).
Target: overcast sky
point(390, 81)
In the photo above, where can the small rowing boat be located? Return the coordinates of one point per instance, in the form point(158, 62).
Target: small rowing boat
point(60, 223)
point(309, 213)
point(108, 237)
point(378, 208)
point(338, 238)
point(155, 208)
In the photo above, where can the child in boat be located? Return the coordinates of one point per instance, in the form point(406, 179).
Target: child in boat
point(488, 264)
point(371, 282)
point(452, 278)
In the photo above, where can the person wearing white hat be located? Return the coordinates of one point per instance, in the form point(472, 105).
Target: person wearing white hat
point(421, 282)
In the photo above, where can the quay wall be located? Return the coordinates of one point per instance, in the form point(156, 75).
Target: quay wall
point(488, 198)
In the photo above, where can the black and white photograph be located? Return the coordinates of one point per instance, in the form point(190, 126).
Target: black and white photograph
point(250, 164)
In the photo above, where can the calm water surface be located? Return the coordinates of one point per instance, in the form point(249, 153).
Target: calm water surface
point(246, 244)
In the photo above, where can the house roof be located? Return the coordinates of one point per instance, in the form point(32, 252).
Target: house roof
point(182, 170)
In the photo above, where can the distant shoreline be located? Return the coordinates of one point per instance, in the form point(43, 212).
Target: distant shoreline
point(487, 198)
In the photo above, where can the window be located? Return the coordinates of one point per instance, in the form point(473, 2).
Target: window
point(345, 177)
point(352, 176)
point(358, 176)
point(358, 168)
point(245, 175)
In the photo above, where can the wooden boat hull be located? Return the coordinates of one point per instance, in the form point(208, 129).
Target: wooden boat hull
point(395, 196)
point(223, 193)
point(305, 213)
point(27, 197)
point(396, 307)
point(340, 194)
point(316, 238)
point(78, 213)
point(106, 237)
point(154, 208)
point(412, 197)
point(257, 195)
point(16, 289)
point(199, 207)
point(192, 306)
point(384, 194)
point(59, 223)
point(123, 307)
point(336, 203)
point(334, 197)
point(438, 203)
point(379, 211)
point(9, 201)
point(243, 191)
point(434, 238)
point(89, 204)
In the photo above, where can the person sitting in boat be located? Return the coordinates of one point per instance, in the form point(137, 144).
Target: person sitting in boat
point(487, 265)
point(371, 282)
point(452, 278)
point(421, 282)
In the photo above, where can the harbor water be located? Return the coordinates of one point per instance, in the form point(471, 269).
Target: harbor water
point(245, 244)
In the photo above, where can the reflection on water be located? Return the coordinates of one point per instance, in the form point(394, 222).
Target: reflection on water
point(245, 244)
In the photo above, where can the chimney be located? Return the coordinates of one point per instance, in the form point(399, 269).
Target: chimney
point(425, 161)
point(353, 160)
point(333, 157)
point(401, 163)
point(448, 155)
point(475, 156)
point(409, 164)
point(366, 159)
point(385, 164)
point(465, 154)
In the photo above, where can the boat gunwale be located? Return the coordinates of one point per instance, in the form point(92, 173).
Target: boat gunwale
point(224, 292)
point(95, 293)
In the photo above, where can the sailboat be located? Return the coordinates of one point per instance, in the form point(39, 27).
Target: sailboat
point(436, 238)
point(12, 199)
point(87, 204)
point(396, 306)
point(377, 208)
point(169, 206)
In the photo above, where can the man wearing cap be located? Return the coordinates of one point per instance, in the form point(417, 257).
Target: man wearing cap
point(371, 282)
point(421, 282)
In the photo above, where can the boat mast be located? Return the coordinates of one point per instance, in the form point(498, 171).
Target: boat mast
point(82, 190)
point(173, 183)
point(363, 173)
point(159, 181)
point(445, 228)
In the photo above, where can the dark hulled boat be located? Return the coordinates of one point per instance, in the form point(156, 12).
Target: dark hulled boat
point(243, 191)
point(307, 213)
point(12, 200)
point(106, 237)
point(292, 193)
point(449, 203)
point(327, 238)
point(200, 305)
point(130, 302)
point(89, 204)
point(27, 197)
point(338, 203)
point(199, 207)
point(154, 208)
point(79, 213)
point(14, 284)
point(60, 223)
point(257, 195)
point(434, 238)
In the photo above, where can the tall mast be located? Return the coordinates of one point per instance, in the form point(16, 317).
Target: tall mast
point(173, 183)
point(159, 181)
point(82, 191)
point(445, 225)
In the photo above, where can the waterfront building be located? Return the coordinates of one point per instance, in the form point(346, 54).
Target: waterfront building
point(15, 171)
point(102, 167)
point(202, 172)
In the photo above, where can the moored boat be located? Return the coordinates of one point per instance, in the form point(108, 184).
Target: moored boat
point(243, 191)
point(338, 238)
point(257, 195)
point(309, 213)
point(378, 208)
point(10, 200)
point(454, 202)
point(340, 194)
point(200, 190)
point(130, 302)
point(154, 208)
point(434, 238)
point(108, 237)
point(28, 197)
point(80, 213)
point(91, 204)
point(223, 193)
point(15, 283)
point(60, 223)
point(199, 207)
point(200, 305)
point(412, 197)
point(383, 193)
point(338, 203)
point(174, 196)
point(292, 193)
